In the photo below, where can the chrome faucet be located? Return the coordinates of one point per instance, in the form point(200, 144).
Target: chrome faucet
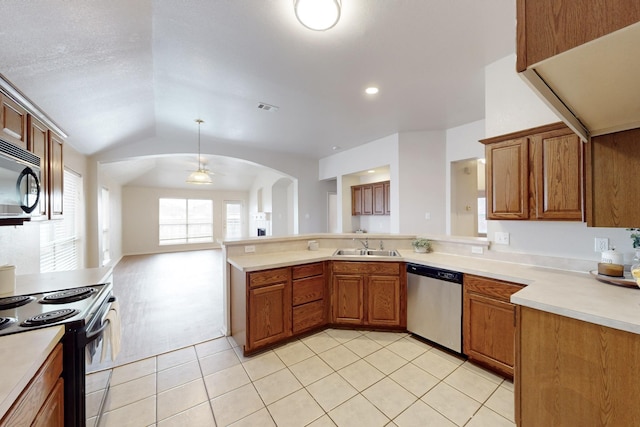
point(364, 242)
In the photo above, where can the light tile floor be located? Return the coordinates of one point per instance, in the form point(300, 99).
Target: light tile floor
point(332, 378)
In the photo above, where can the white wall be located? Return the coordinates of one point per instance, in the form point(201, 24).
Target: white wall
point(421, 183)
point(510, 105)
point(381, 152)
point(140, 217)
point(462, 144)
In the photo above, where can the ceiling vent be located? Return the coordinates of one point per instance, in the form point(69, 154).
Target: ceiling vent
point(267, 107)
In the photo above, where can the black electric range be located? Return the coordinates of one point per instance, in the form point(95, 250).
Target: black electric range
point(82, 311)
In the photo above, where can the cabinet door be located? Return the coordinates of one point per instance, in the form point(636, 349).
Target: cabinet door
point(383, 301)
point(488, 322)
point(356, 200)
point(39, 145)
point(367, 200)
point(557, 159)
point(269, 315)
point(56, 174)
point(13, 120)
point(378, 198)
point(52, 412)
point(489, 331)
point(348, 299)
point(508, 179)
point(613, 189)
point(387, 200)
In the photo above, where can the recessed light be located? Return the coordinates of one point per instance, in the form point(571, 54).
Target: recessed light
point(371, 90)
point(336, 148)
point(371, 171)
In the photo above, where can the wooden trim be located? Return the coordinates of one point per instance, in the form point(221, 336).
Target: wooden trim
point(521, 36)
point(524, 133)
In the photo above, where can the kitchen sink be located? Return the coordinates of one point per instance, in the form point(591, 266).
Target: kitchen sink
point(366, 252)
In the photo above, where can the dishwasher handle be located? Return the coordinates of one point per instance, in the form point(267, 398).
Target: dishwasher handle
point(435, 273)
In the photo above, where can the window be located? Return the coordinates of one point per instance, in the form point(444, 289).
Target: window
point(60, 239)
point(233, 219)
point(184, 221)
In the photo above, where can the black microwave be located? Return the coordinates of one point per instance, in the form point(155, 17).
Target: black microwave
point(19, 182)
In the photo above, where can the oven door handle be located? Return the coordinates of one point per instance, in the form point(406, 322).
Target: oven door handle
point(95, 334)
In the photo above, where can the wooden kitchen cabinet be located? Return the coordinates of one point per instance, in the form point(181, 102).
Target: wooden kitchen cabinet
point(268, 308)
point(370, 199)
point(310, 307)
point(56, 176)
point(535, 174)
point(574, 373)
point(38, 144)
point(13, 119)
point(489, 323)
point(356, 200)
point(369, 294)
point(613, 189)
point(387, 198)
point(42, 402)
point(549, 27)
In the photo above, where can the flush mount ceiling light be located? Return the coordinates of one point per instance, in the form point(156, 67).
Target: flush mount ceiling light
point(371, 90)
point(201, 176)
point(317, 15)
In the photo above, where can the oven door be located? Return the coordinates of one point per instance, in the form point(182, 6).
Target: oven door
point(95, 329)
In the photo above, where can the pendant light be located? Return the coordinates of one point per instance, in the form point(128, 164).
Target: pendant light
point(317, 15)
point(201, 176)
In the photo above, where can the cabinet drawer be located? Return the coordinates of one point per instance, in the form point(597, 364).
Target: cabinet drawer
point(307, 270)
point(308, 316)
point(391, 268)
point(497, 289)
point(267, 277)
point(307, 290)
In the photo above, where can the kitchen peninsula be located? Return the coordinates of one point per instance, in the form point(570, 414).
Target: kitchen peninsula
point(593, 327)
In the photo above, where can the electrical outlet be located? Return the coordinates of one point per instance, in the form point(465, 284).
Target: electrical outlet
point(601, 244)
point(501, 238)
point(477, 250)
point(249, 249)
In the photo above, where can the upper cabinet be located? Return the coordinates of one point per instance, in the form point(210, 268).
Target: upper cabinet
point(25, 125)
point(613, 189)
point(535, 174)
point(13, 119)
point(581, 57)
point(370, 199)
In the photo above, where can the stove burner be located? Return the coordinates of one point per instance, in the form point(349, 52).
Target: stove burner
point(13, 302)
point(50, 317)
point(5, 322)
point(70, 295)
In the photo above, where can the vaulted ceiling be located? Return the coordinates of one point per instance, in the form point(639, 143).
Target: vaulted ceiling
point(114, 72)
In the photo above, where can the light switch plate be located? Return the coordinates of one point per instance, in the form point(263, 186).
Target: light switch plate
point(477, 250)
point(249, 249)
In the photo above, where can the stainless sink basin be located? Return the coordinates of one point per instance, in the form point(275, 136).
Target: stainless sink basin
point(366, 252)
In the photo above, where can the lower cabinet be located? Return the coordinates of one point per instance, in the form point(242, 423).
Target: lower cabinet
point(42, 402)
point(489, 322)
point(574, 373)
point(369, 294)
point(268, 308)
point(309, 293)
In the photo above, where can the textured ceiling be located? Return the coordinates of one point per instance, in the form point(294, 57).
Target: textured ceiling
point(119, 71)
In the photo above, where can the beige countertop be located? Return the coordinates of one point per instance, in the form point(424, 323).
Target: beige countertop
point(22, 355)
point(47, 282)
point(568, 293)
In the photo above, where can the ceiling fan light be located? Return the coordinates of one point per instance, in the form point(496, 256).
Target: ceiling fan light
point(317, 15)
point(199, 177)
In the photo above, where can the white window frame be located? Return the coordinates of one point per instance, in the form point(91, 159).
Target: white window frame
point(187, 238)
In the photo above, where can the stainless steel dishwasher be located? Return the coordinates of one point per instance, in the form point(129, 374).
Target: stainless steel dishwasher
point(434, 305)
